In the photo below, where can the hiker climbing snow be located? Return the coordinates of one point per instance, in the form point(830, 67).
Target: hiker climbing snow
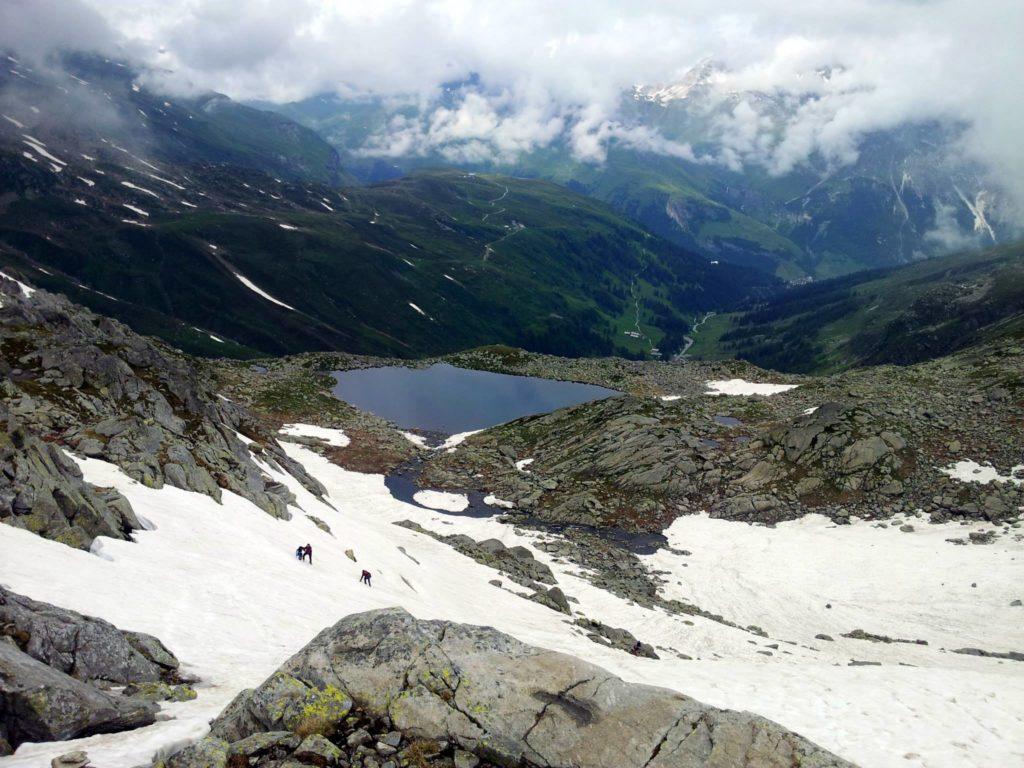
point(365, 578)
point(307, 552)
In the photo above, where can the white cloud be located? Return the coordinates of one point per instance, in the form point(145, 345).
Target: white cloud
point(558, 69)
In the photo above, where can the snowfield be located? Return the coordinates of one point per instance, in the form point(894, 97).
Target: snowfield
point(741, 387)
point(442, 500)
point(418, 440)
point(451, 443)
point(972, 472)
point(220, 585)
point(256, 289)
point(335, 437)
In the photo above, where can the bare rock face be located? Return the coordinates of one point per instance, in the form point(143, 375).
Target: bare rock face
point(38, 703)
point(73, 381)
point(84, 647)
point(487, 697)
point(55, 663)
point(42, 490)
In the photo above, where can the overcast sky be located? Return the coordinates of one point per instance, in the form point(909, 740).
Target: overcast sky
point(558, 68)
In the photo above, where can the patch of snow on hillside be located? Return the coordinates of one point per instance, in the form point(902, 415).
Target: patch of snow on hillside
point(256, 289)
point(13, 122)
point(166, 181)
point(287, 226)
point(970, 471)
point(415, 439)
point(335, 437)
point(187, 203)
point(80, 201)
point(741, 387)
point(522, 464)
point(418, 309)
point(137, 188)
point(133, 221)
point(670, 398)
point(26, 290)
point(135, 210)
point(456, 440)
point(809, 411)
point(90, 182)
point(39, 148)
point(493, 501)
point(442, 500)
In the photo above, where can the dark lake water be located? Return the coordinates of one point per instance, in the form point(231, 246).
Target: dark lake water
point(443, 398)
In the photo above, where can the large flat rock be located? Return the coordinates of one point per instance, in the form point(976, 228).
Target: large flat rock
point(508, 703)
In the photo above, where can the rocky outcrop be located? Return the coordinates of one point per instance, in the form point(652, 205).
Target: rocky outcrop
point(435, 691)
point(42, 490)
point(614, 462)
point(84, 647)
point(90, 385)
point(39, 703)
point(55, 664)
point(615, 637)
point(833, 452)
point(867, 443)
point(518, 563)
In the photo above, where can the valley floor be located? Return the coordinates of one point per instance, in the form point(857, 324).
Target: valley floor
point(220, 585)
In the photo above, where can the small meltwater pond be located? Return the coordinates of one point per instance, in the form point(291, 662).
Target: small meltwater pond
point(450, 400)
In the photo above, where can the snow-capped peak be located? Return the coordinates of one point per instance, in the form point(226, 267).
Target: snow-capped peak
point(695, 78)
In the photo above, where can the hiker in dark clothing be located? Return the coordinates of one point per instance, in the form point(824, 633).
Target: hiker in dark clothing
point(365, 578)
point(308, 552)
point(300, 553)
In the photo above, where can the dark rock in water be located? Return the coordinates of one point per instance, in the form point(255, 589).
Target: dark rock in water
point(84, 647)
point(471, 695)
point(39, 703)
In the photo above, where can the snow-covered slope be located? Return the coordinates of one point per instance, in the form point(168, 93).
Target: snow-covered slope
point(220, 585)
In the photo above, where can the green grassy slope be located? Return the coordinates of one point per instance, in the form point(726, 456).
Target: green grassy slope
point(903, 315)
point(434, 262)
